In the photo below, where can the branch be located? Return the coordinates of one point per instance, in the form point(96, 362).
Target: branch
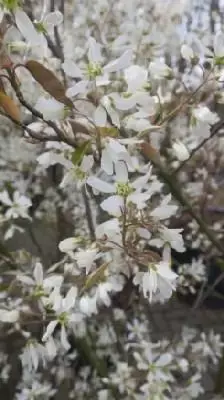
point(214, 130)
point(176, 191)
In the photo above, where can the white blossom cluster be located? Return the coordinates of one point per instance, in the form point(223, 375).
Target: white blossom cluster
point(120, 160)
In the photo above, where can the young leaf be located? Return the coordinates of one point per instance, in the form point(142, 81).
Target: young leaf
point(9, 106)
point(48, 81)
point(108, 131)
point(79, 153)
point(96, 277)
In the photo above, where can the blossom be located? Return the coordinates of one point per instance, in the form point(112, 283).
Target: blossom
point(113, 152)
point(17, 206)
point(33, 355)
point(39, 285)
point(159, 279)
point(124, 190)
point(86, 258)
point(78, 173)
point(95, 71)
point(65, 316)
point(203, 114)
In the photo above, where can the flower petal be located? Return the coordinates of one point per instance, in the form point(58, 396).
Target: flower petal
point(120, 63)
point(113, 205)
point(26, 27)
point(100, 185)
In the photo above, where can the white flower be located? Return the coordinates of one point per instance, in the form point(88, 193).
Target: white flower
point(17, 207)
point(33, 354)
point(136, 329)
point(171, 236)
point(95, 71)
point(137, 79)
point(63, 308)
point(124, 190)
point(111, 231)
point(113, 284)
point(159, 279)
point(86, 258)
point(113, 152)
point(203, 114)
point(41, 286)
point(180, 150)
point(78, 173)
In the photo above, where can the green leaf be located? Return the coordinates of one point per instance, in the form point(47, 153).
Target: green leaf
point(96, 277)
point(79, 153)
point(219, 60)
point(108, 131)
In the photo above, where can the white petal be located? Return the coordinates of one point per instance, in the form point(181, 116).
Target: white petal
point(52, 281)
point(140, 182)
point(123, 104)
point(219, 44)
point(38, 274)
point(64, 339)
point(26, 27)
point(25, 279)
point(100, 116)
point(50, 329)
point(79, 87)
point(67, 245)
point(70, 298)
point(121, 172)
point(113, 205)
point(5, 199)
point(187, 52)
point(135, 77)
point(120, 63)
point(71, 69)
point(107, 162)
point(94, 53)
point(50, 108)
point(100, 185)
point(165, 271)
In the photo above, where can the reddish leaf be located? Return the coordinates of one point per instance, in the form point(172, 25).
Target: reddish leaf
point(9, 106)
point(48, 81)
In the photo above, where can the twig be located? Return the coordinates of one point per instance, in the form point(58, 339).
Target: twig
point(214, 130)
point(175, 189)
point(89, 215)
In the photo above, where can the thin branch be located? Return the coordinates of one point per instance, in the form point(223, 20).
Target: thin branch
point(89, 215)
point(175, 189)
point(214, 130)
